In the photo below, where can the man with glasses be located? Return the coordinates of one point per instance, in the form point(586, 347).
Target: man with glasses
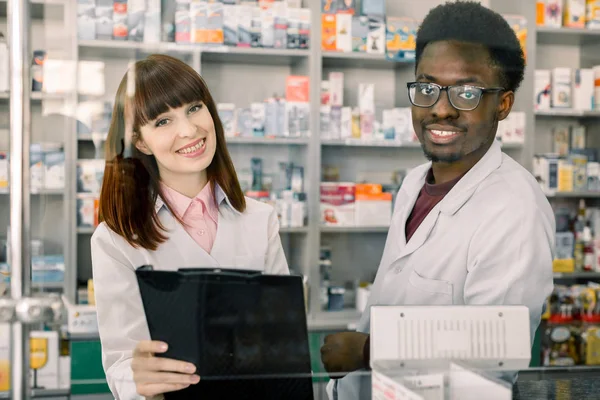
point(472, 226)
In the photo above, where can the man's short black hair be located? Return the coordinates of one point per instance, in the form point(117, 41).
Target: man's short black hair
point(467, 21)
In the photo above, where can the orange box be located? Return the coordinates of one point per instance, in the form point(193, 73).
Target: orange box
point(328, 32)
point(297, 89)
point(540, 13)
point(368, 188)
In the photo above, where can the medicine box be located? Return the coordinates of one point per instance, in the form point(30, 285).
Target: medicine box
point(136, 10)
point(553, 13)
point(366, 97)
point(87, 210)
point(337, 204)
point(120, 31)
point(268, 27)
point(305, 27)
point(373, 207)
point(561, 140)
point(5, 335)
point(343, 26)
point(230, 25)
point(245, 25)
point(592, 14)
point(258, 119)
point(583, 89)
point(3, 171)
point(372, 7)
point(401, 34)
point(280, 26)
point(336, 88)
point(561, 87)
point(183, 21)
point(574, 13)
point(376, 35)
point(328, 32)
point(152, 24)
point(542, 89)
point(104, 19)
point(213, 31)
point(86, 19)
point(360, 31)
point(227, 116)
point(325, 121)
point(293, 31)
point(80, 318)
point(335, 122)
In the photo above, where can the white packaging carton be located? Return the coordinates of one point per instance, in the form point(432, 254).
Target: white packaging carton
point(337, 203)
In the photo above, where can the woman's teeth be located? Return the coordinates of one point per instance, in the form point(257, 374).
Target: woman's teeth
point(192, 149)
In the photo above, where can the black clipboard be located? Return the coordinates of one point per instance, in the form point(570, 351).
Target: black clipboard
point(245, 332)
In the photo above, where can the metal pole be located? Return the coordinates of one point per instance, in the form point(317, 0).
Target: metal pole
point(20, 134)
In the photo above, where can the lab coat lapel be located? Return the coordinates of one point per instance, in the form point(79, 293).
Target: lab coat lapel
point(221, 250)
point(453, 201)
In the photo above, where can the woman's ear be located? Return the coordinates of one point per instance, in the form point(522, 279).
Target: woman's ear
point(141, 145)
point(507, 99)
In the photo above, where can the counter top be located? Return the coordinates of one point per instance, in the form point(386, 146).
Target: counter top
point(558, 384)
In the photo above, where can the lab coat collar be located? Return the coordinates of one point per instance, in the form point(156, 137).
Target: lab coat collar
point(465, 188)
point(220, 196)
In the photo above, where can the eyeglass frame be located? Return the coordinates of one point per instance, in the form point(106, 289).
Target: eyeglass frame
point(446, 88)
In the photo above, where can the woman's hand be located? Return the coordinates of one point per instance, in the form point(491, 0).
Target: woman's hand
point(156, 375)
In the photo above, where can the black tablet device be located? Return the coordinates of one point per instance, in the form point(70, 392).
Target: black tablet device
point(245, 332)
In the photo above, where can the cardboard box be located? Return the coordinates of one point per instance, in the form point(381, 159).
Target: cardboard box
point(230, 25)
point(5, 335)
point(583, 89)
point(336, 88)
point(542, 89)
point(343, 26)
point(373, 207)
point(183, 21)
point(136, 10)
point(592, 14)
point(376, 35)
point(104, 19)
point(401, 38)
point(280, 26)
point(553, 14)
point(244, 25)
point(228, 119)
point(86, 19)
point(152, 25)
point(562, 87)
point(328, 32)
point(574, 13)
point(168, 8)
point(120, 27)
point(337, 204)
point(360, 32)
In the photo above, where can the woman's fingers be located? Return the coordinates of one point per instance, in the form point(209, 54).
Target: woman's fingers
point(151, 377)
point(159, 364)
point(153, 389)
point(149, 347)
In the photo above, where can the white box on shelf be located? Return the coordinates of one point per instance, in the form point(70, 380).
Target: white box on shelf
point(152, 28)
point(90, 80)
point(337, 200)
point(54, 169)
point(183, 21)
point(366, 98)
point(376, 35)
point(230, 24)
point(104, 19)
point(59, 76)
point(335, 124)
point(542, 89)
point(373, 210)
point(583, 89)
point(81, 318)
point(562, 87)
point(593, 14)
point(136, 10)
point(5, 357)
point(553, 13)
point(325, 121)
point(346, 123)
point(520, 121)
point(336, 88)
point(267, 27)
point(227, 116)
point(44, 356)
point(86, 19)
point(403, 126)
point(343, 27)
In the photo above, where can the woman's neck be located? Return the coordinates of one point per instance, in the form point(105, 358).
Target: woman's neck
point(188, 185)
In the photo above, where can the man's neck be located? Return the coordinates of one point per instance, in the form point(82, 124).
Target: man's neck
point(446, 172)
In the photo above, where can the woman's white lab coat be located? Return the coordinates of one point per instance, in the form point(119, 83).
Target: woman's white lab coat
point(248, 240)
point(490, 241)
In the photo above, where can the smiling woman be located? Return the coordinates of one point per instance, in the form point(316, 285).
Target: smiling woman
point(170, 199)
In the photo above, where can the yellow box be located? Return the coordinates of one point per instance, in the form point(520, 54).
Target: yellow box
point(564, 266)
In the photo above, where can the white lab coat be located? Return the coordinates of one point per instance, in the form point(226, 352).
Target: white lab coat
point(490, 241)
point(248, 240)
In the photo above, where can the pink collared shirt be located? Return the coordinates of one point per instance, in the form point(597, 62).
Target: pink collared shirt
point(200, 215)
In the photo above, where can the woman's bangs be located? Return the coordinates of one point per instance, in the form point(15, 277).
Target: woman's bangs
point(160, 89)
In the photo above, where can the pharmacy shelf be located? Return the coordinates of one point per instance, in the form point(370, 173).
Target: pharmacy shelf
point(567, 36)
point(251, 55)
point(87, 137)
point(361, 60)
point(561, 369)
point(37, 96)
point(85, 231)
point(585, 195)
point(37, 7)
point(566, 112)
point(267, 141)
point(368, 143)
point(577, 275)
point(44, 192)
point(354, 229)
point(302, 230)
point(334, 320)
point(48, 285)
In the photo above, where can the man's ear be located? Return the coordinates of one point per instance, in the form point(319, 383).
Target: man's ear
point(141, 146)
point(507, 99)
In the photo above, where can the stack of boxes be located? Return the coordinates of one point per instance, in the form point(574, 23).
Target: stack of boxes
point(567, 88)
point(346, 28)
point(355, 205)
point(342, 122)
point(274, 117)
point(571, 166)
point(47, 167)
point(243, 23)
point(568, 13)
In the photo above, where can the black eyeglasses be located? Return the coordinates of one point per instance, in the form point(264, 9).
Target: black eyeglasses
point(462, 97)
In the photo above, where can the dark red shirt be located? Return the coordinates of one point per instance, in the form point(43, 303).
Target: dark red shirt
point(429, 196)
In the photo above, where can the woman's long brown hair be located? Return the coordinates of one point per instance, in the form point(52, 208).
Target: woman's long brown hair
point(131, 181)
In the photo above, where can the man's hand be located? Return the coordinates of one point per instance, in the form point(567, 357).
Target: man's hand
point(343, 353)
